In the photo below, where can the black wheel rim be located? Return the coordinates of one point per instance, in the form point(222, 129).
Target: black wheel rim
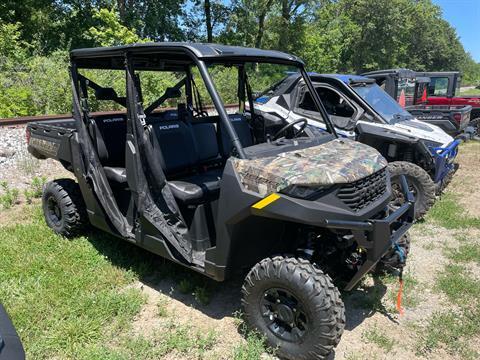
point(284, 314)
point(53, 211)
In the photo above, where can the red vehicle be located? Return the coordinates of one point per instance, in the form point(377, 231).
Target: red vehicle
point(410, 89)
point(444, 89)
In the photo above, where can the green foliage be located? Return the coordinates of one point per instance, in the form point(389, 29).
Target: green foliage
point(331, 36)
point(36, 189)
point(254, 347)
point(8, 196)
point(109, 31)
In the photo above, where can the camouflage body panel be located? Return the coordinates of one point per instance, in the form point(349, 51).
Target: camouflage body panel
point(337, 162)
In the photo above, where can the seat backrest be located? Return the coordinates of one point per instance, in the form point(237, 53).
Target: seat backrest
point(177, 144)
point(109, 136)
point(242, 128)
point(206, 142)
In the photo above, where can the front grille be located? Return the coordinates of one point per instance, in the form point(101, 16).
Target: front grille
point(363, 192)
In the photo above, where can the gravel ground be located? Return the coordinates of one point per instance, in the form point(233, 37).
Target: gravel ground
point(17, 166)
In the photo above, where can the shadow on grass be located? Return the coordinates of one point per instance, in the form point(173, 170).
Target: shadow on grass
point(219, 299)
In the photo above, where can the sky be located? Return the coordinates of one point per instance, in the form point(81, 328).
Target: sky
point(464, 15)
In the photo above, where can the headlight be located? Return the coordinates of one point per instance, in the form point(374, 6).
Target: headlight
point(431, 144)
point(304, 192)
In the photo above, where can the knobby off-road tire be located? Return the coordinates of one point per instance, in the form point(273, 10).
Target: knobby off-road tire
point(280, 290)
point(475, 123)
point(419, 182)
point(64, 208)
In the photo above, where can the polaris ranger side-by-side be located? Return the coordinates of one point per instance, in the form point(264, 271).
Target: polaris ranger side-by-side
point(361, 110)
point(221, 193)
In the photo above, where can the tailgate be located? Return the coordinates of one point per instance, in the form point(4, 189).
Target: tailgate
point(50, 139)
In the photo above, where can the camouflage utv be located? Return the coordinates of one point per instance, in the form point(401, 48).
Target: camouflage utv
point(216, 192)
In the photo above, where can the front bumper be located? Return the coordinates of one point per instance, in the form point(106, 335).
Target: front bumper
point(444, 158)
point(377, 236)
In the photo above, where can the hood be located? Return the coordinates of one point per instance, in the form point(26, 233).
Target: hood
point(425, 131)
point(339, 161)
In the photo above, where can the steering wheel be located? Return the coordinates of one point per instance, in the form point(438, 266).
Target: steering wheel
point(290, 125)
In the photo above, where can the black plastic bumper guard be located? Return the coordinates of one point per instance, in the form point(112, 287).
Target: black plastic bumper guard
point(377, 236)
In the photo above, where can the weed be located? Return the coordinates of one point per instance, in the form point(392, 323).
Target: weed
point(9, 197)
point(185, 286)
point(375, 336)
point(254, 347)
point(27, 163)
point(36, 189)
point(202, 295)
point(182, 339)
point(162, 310)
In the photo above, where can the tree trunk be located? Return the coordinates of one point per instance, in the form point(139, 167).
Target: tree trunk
point(283, 38)
point(208, 20)
point(261, 24)
point(122, 9)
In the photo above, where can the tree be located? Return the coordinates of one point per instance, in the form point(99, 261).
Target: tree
point(110, 31)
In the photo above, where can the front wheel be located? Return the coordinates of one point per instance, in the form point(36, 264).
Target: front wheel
point(475, 124)
point(295, 305)
point(419, 182)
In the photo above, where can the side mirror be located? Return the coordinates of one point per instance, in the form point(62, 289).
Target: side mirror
point(172, 93)
point(106, 94)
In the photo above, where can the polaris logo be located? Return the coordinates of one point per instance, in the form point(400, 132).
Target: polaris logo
point(112, 120)
point(168, 127)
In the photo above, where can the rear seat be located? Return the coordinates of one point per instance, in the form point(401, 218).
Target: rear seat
point(186, 147)
point(242, 128)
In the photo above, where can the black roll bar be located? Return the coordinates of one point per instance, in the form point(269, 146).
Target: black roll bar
point(317, 101)
point(220, 109)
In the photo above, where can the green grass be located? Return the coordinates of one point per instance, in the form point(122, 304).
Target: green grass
point(375, 336)
point(448, 213)
point(459, 286)
point(253, 348)
point(62, 295)
point(73, 299)
point(452, 330)
point(465, 253)
point(173, 339)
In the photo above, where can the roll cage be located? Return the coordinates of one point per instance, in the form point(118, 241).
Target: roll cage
point(180, 57)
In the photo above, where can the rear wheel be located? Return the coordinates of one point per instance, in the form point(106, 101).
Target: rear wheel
point(64, 208)
point(295, 305)
point(475, 124)
point(419, 182)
